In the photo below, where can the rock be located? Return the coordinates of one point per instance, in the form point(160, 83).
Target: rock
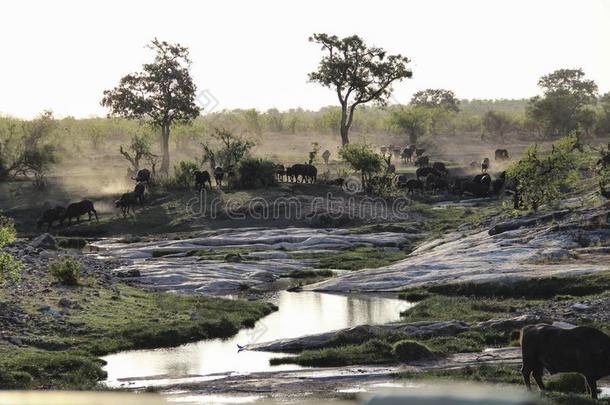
point(44, 241)
point(130, 239)
point(511, 324)
point(581, 307)
point(15, 340)
point(553, 254)
point(128, 273)
point(233, 258)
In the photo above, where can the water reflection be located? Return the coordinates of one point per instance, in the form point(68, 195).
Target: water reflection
point(299, 314)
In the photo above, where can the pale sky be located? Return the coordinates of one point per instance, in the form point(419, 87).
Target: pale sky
point(61, 55)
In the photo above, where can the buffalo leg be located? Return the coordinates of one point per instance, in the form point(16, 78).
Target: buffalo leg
point(592, 387)
point(537, 373)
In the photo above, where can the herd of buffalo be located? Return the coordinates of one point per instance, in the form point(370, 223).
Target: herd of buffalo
point(428, 177)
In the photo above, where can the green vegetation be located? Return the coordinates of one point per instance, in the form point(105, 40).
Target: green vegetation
point(539, 177)
point(363, 257)
point(308, 274)
point(537, 288)
point(65, 271)
point(163, 93)
point(108, 320)
point(255, 173)
point(9, 267)
point(359, 74)
point(363, 159)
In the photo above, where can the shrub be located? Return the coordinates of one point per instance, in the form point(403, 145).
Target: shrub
point(66, 271)
point(182, 177)
point(363, 159)
point(255, 173)
point(407, 350)
point(9, 266)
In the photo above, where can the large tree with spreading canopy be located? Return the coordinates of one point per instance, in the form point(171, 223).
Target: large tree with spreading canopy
point(358, 73)
point(163, 92)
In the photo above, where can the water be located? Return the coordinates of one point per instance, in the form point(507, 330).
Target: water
point(299, 314)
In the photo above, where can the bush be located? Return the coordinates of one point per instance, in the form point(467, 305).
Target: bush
point(255, 173)
point(407, 350)
point(66, 271)
point(363, 159)
point(9, 266)
point(182, 177)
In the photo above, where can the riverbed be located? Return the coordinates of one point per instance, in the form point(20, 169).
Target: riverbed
point(299, 314)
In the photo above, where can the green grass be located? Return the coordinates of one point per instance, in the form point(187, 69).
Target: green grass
point(308, 274)
point(64, 354)
point(537, 288)
point(362, 257)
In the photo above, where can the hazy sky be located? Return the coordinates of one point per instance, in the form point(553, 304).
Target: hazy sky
point(61, 55)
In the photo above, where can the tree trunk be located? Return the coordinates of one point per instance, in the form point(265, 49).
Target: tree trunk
point(165, 147)
point(344, 126)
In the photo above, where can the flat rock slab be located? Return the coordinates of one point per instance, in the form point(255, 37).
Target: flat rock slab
point(269, 257)
point(532, 250)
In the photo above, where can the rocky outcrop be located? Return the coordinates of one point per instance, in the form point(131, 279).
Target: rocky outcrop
point(527, 248)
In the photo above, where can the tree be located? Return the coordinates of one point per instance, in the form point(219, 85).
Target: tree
point(436, 98)
point(163, 92)
point(26, 148)
point(358, 73)
point(228, 151)
point(560, 110)
point(363, 159)
point(602, 124)
point(413, 121)
point(497, 123)
point(138, 149)
point(539, 176)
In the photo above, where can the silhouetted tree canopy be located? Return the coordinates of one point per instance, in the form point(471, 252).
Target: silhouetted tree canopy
point(436, 98)
point(358, 73)
point(163, 92)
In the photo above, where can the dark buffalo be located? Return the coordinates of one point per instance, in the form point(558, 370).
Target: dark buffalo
point(126, 202)
point(419, 151)
point(219, 174)
point(51, 215)
point(290, 174)
point(202, 177)
point(78, 209)
point(414, 184)
point(474, 188)
point(280, 172)
point(326, 156)
point(407, 153)
point(231, 175)
point(497, 185)
point(143, 176)
point(501, 154)
point(581, 350)
point(440, 167)
point(422, 161)
point(138, 191)
point(426, 171)
point(485, 165)
point(308, 173)
point(436, 183)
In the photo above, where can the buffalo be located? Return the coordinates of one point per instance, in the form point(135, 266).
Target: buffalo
point(280, 172)
point(414, 184)
point(407, 153)
point(419, 152)
point(219, 174)
point(426, 171)
point(143, 176)
point(440, 167)
point(485, 165)
point(581, 350)
point(202, 177)
point(77, 209)
point(138, 191)
point(126, 202)
point(51, 215)
point(326, 156)
point(308, 173)
point(400, 180)
point(501, 154)
point(422, 161)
